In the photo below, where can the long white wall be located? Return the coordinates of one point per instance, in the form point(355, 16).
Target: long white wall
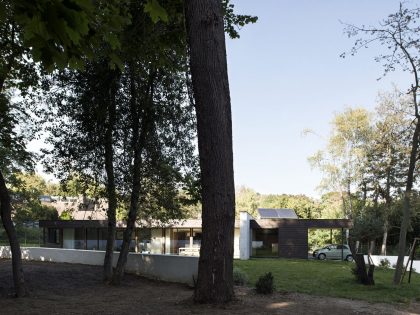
point(171, 268)
point(393, 261)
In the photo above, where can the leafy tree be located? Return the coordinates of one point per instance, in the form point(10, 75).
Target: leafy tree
point(342, 162)
point(398, 33)
point(387, 154)
point(246, 199)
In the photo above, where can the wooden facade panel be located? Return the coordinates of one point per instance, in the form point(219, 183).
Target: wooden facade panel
point(293, 242)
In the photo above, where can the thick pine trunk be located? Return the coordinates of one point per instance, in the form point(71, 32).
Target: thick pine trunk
point(214, 127)
point(406, 209)
point(6, 217)
point(111, 189)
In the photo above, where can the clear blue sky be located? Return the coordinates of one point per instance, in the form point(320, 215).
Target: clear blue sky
point(286, 75)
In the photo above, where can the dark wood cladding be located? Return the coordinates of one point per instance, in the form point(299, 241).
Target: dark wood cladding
point(293, 233)
point(293, 242)
point(302, 223)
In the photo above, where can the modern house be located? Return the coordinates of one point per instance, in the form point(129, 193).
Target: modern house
point(275, 233)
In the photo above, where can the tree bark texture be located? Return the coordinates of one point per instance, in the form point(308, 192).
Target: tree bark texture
point(363, 276)
point(111, 189)
point(6, 217)
point(206, 39)
point(406, 208)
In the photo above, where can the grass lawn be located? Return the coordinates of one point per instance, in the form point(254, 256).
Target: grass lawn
point(330, 278)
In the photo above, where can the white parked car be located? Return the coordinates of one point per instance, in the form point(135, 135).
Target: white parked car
point(334, 251)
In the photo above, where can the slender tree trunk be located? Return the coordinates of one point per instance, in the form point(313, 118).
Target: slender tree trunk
point(206, 40)
point(406, 209)
point(139, 141)
point(384, 238)
point(111, 189)
point(371, 247)
point(6, 217)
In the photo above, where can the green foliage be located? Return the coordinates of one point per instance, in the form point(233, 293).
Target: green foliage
point(26, 188)
point(66, 215)
point(367, 225)
point(384, 263)
point(265, 284)
point(234, 22)
point(239, 277)
point(156, 11)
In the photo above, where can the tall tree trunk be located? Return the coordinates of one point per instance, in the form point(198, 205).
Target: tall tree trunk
point(406, 209)
point(6, 217)
point(111, 189)
point(206, 38)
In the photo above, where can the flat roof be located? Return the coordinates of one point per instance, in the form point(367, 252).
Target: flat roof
point(186, 223)
point(308, 223)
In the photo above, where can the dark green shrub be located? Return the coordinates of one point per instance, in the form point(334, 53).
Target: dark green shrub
point(239, 277)
point(265, 284)
point(384, 263)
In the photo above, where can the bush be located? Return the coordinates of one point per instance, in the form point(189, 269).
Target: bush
point(385, 263)
point(265, 284)
point(239, 277)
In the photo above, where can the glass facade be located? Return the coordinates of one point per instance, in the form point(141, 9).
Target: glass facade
point(80, 238)
point(184, 241)
point(265, 242)
point(180, 238)
point(92, 241)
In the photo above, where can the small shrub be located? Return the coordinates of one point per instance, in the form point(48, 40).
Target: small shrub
point(385, 263)
point(265, 284)
point(239, 277)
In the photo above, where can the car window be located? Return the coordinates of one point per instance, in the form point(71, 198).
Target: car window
point(333, 247)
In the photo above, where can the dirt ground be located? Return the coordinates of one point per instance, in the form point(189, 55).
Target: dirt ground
point(78, 289)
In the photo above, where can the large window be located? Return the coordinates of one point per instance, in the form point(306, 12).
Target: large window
point(144, 239)
point(92, 239)
point(265, 242)
point(180, 238)
point(80, 238)
point(53, 236)
point(103, 235)
point(119, 240)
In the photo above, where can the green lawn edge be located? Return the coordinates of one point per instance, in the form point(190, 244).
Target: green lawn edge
point(330, 278)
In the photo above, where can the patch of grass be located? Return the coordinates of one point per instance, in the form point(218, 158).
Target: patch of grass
point(330, 278)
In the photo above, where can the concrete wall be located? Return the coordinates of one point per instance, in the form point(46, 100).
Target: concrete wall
point(393, 261)
point(171, 268)
point(245, 235)
point(236, 243)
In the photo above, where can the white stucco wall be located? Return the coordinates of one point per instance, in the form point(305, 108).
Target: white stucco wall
point(171, 268)
point(393, 261)
point(236, 242)
point(245, 235)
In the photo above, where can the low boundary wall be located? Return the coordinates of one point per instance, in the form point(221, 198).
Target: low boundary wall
point(393, 261)
point(170, 268)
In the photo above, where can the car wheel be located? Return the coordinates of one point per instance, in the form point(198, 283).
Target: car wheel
point(349, 258)
point(322, 257)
